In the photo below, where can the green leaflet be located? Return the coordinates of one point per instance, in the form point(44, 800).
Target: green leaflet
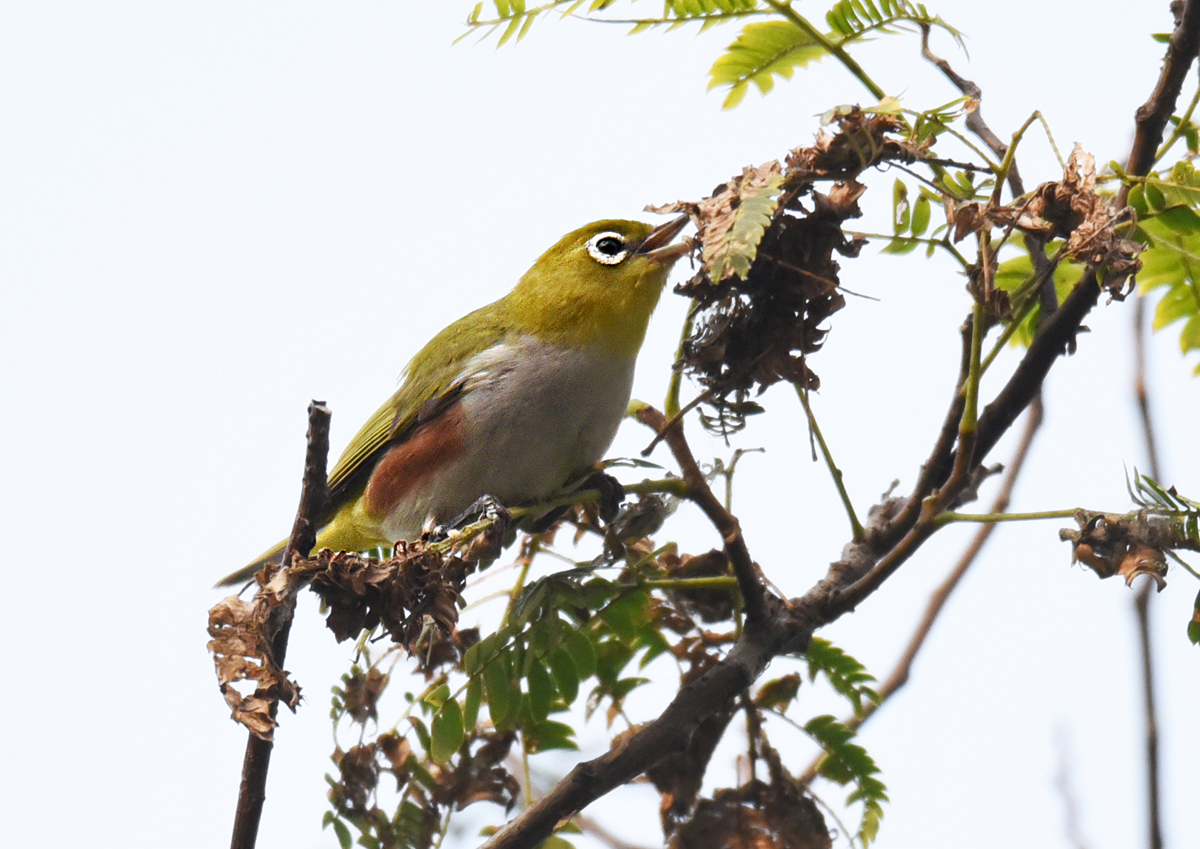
point(447, 732)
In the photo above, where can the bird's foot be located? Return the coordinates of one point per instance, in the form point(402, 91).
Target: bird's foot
point(612, 494)
point(485, 507)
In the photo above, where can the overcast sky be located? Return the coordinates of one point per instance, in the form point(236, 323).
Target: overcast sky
point(214, 212)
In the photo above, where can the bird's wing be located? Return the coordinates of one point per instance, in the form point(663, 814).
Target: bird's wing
point(433, 381)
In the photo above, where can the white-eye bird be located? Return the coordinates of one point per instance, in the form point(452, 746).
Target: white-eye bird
point(512, 400)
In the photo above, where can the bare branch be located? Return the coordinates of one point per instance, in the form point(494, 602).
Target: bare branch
point(1141, 601)
point(257, 762)
point(1153, 115)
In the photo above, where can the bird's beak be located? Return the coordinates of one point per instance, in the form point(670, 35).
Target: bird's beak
point(658, 248)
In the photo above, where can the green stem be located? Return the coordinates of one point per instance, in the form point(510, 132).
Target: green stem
point(834, 50)
point(1177, 132)
point(987, 518)
point(716, 582)
point(1010, 154)
point(970, 416)
point(941, 243)
point(671, 405)
point(668, 486)
point(855, 526)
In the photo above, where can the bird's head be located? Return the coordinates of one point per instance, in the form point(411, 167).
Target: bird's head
point(599, 284)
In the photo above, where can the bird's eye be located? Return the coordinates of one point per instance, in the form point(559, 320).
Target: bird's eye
point(607, 248)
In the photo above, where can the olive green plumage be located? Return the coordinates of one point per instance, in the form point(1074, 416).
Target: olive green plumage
point(505, 398)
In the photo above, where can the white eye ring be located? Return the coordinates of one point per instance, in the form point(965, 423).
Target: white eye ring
point(608, 248)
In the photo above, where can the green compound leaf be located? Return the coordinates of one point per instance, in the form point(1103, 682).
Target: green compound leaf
point(761, 52)
point(769, 49)
point(845, 763)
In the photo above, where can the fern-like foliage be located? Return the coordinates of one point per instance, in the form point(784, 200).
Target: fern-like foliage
point(846, 762)
point(847, 676)
point(1149, 495)
point(762, 51)
point(513, 18)
point(776, 48)
point(1170, 226)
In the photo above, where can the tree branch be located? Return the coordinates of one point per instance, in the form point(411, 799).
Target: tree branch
point(899, 675)
point(699, 492)
point(773, 627)
point(252, 793)
point(1047, 296)
point(1153, 115)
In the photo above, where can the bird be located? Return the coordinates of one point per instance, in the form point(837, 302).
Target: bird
point(511, 401)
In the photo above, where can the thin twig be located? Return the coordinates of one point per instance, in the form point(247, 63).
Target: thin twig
point(1035, 243)
point(1062, 783)
point(313, 495)
point(1141, 600)
point(1141, 604)
point(856, 527)
point(699, 492)
point(899, 675)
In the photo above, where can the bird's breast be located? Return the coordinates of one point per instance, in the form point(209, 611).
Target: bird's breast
point(531, 416)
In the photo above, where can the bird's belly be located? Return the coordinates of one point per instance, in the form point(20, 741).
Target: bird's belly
point(534, 415)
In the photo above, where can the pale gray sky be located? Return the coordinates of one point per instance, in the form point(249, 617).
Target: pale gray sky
point(214, 212)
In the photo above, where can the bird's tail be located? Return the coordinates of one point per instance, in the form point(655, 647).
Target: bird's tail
point(247, 572)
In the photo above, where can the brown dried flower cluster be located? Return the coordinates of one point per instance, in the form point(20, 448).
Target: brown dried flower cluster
point(1072, 209)
point(1125, 545)
point(242, 633)
point(769, 279)
point(778, 814)
point(477, 775)
point(415, 595)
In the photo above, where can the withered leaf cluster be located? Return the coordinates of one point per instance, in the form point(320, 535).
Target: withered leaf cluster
point(1124, 545)
point(1071, 209)
point(477, 775)
point(754, 816)
point(415, 595)
point(414, 589)
point(773, 814)
point(707, 605)
point(771, 226)
point(242, 634)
